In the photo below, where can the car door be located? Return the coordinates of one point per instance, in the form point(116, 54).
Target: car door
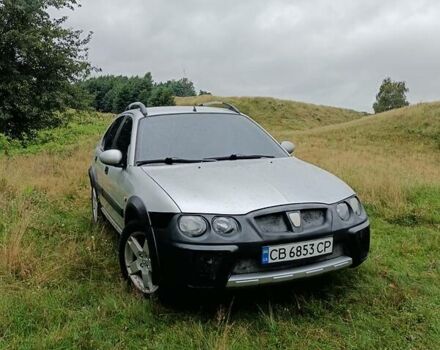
point(116, 184)
point(102, 169)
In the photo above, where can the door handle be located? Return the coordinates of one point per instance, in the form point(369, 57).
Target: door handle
point(106, 170)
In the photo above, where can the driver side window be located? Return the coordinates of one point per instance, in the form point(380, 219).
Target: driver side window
point(109, 137)
point(123, 139)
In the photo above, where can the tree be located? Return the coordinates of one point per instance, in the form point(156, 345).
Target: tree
point(39, 61)
point(114, 93)
point(392, 94)
point(182, 87)
point(203, 92)
point(122, 99)
point(161, 96)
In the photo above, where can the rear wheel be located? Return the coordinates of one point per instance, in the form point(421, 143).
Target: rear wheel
point(96, 206)
point(137, 259)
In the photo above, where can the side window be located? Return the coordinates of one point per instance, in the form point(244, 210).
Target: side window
point(109, 136)
point(123, 139)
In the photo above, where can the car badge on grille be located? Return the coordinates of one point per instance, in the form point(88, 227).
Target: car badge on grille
point(295, 218)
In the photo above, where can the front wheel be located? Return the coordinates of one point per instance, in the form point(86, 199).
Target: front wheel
point(137, 259)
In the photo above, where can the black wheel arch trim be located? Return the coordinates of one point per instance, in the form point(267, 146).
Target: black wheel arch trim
point(135, 210)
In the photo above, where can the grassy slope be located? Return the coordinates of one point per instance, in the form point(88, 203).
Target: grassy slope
point(280, 115)
point(385, 157)
point(60, 285)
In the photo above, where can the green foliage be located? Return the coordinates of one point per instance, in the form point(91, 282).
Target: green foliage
point(114, 93)
point(392, 94)
point(162, 96)
point(39, 61)
point(181, 88)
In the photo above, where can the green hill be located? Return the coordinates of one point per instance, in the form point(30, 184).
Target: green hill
point(417, 125)
point(281, 114)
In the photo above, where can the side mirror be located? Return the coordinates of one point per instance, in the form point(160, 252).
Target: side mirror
point(111, 157)
point(288, 146)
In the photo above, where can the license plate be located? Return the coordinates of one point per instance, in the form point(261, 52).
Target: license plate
point(297, 250)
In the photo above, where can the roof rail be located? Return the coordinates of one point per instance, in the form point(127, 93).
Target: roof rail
point(138, 105)
point(228, 105)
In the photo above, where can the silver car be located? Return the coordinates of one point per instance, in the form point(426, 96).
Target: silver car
point(204, 197)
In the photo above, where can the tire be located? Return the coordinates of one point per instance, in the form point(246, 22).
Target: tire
point(138, 259)
point(95, 206)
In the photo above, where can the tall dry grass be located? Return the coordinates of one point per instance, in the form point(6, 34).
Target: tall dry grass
point(381, 178)
point(385, 158)
point(16, 256)
point(30, 185)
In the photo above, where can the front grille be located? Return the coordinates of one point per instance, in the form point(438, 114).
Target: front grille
point(273, 223)
point(312, 218)
point(279, 223)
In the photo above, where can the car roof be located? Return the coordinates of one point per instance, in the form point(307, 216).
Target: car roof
point(155, 111)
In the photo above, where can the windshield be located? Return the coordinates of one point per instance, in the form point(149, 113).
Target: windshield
point(199, 136)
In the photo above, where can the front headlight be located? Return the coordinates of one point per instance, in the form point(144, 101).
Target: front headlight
point(192, 225)
point(343, 211)
point(355, 205)
point(224, 225)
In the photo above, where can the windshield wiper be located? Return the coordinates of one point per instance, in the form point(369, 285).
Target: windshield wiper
point(175, 160)
point(240, 156)
point(172, 160)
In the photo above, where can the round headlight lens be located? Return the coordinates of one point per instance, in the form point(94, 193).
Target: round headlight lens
point(343, 211)
point(355, 205)
point(192, 225)
point(224, 225)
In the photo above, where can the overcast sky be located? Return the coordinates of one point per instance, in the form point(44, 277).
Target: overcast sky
point(326, 52)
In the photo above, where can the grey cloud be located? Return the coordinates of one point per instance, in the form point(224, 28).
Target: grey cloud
point(333, 53)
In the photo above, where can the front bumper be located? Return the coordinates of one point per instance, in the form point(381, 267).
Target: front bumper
point(253, 279)
point(239, 264)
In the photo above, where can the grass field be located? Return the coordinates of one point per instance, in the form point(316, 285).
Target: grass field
point(60, 285)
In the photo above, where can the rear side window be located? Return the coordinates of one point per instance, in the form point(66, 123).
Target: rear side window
point(107, 142)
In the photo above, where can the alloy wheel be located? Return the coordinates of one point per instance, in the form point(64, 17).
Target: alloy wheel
point(138, 263)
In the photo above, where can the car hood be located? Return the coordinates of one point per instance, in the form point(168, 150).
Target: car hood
point(241, 186)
